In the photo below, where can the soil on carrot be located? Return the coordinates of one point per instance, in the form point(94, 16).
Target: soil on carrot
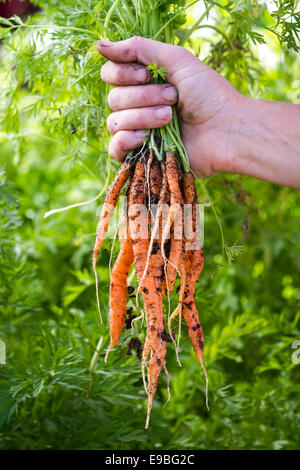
point(159, 258)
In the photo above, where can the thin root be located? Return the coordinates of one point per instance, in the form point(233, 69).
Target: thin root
point(168, 383)
point(107, 353)
point(97, 293)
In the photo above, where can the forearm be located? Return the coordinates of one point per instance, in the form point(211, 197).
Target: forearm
point(267, 141)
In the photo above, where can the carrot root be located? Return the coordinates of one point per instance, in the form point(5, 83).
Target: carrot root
point(157, 258)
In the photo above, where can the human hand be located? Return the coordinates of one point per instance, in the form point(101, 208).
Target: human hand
point(206, 101)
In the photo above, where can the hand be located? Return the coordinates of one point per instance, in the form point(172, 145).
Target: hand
point(206, 101)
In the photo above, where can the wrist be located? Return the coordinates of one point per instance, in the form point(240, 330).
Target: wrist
point(229, 130)
point(263, 140)
point(237, 124)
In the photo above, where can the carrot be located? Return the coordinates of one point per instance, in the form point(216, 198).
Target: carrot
point(155, 181)
point(160, 187)
point(156, 343)
point(151, 288)
point(110, 202)
point(156, 362)
point(157, 260)
point(118, 291)
point(137, 197)
point(176, 203)
point(178, 309)
point(193, 265)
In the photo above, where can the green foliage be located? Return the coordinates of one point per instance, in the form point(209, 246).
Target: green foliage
point(155, 72)
point(56, 391)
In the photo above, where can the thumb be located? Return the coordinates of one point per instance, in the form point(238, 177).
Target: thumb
point(145, 51)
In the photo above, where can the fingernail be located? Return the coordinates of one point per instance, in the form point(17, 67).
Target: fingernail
point(140, 75)
point(104, 43)
point(170, 94)
point(164, 113)
point(140, 135)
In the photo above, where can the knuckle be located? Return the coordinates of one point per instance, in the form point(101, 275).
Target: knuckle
point(181, 51)
point(129, 51)
point(135, 43)
point(136, 40)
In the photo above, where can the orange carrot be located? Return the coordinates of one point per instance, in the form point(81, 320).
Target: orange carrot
point(151, 288)
point(138, 220)
point(178, 309)
point(176, 205)
point(110, 202)
point(156, 258)
point(155, 181)
point(193, 265)
point(118, 291)
point(156, 362)
point(160, 185)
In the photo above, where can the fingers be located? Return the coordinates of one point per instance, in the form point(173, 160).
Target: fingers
point(139, 118)
point(138, 107)
point(145, 51)
point(124, 141)
point(142, 96)
point(125, 74)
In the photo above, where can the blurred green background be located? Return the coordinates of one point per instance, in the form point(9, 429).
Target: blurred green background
point(53, 154)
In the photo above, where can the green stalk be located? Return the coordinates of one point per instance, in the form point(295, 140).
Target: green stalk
point(153, 146)
point(179, 147)
point(188, 34)
point(55, 26)
point(157, 35)
point(110, 12)
point(218, 31)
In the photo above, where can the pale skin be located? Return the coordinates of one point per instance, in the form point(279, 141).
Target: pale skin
point(222, 130)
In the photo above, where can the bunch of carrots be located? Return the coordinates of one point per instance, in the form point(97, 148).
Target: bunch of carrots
point(161, 238)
